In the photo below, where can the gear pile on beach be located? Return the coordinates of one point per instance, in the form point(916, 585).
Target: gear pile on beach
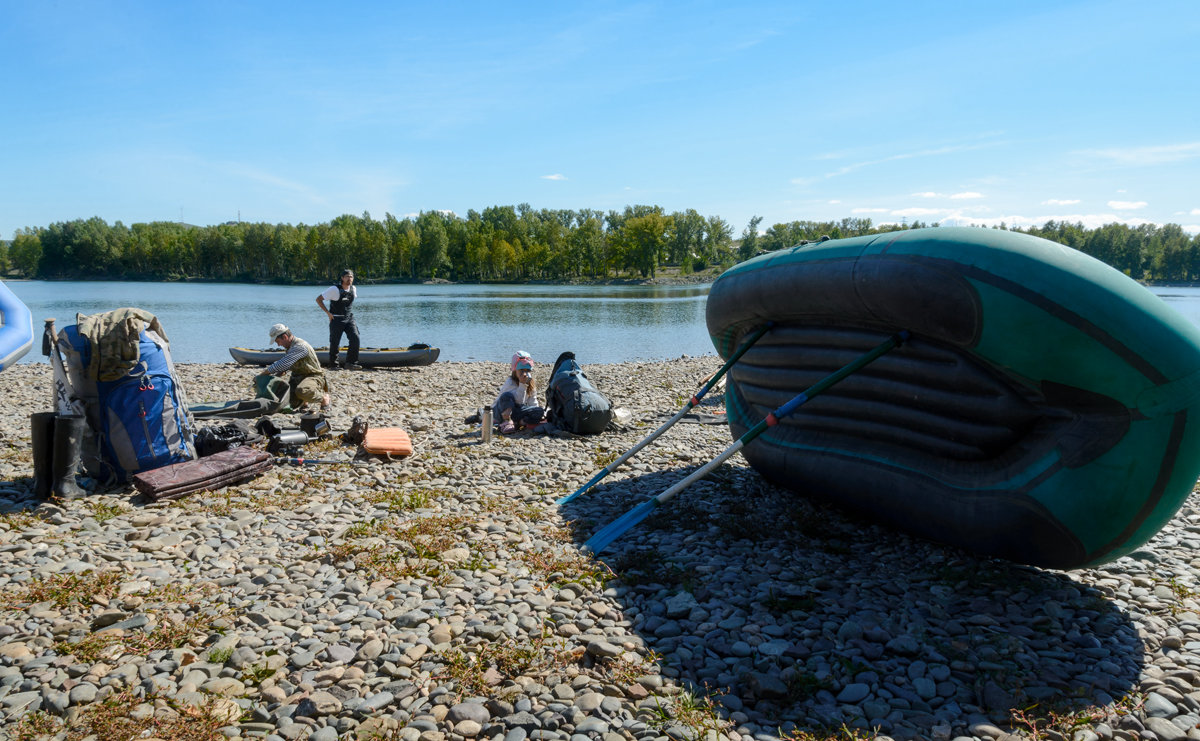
point(447, 596)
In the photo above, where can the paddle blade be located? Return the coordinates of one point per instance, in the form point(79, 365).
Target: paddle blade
point(618, 527)
point(595, 480)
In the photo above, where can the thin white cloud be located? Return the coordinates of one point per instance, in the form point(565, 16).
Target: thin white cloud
point(835, 202)
point(555, 176)
point(917, 211)
point(1060, 202)
point(951, 149)
point(1194, 212)
point(966, 196)
point(1126, 205)
point(1148, 155)
point(869, 210)
point(927, 194)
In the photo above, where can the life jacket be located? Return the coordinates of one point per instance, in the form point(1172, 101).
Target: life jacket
point(307, 365)
point(341, 306)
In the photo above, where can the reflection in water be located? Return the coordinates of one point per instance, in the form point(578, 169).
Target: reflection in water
point(601, 324)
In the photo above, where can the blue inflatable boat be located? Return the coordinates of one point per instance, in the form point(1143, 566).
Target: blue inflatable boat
point(16, 328)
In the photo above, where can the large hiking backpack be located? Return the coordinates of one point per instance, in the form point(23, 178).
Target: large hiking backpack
point(572, 402)
point(135, 407)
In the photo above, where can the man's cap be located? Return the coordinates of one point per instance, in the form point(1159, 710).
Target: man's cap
point(276, 330)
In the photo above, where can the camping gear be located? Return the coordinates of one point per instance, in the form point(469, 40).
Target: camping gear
point(573, 403)
point(214, 439)
point(387, 441)
point(314, 425)
point(16, 328)
point(287, 441)
point(694, 401)
point(356, 433)
point(1045, 411)
point(606, 535)
point(368, 357)
point(221, 469)
point(317, 461)
point(272, 396)
point(69, 430)
point(119, 369)
point(41, 435)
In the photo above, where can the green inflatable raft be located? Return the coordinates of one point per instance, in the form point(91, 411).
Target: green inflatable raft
point(1045, 409)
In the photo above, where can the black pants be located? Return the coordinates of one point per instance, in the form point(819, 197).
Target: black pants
point(337, 326)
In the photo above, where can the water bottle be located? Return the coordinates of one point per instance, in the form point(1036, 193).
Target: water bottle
point(487, 424)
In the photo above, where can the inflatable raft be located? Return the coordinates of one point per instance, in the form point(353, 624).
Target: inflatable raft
point(1045, 410)
point(16, 328)
point(368, 357)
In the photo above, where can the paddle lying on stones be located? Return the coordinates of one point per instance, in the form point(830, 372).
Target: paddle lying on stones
point(281, 461)
point(618, 527)
point(693, 402)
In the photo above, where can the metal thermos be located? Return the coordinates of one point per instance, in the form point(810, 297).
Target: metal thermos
point(487, 424)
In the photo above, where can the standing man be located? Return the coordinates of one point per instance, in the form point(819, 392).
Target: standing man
point(307, 382)
point(341, 319)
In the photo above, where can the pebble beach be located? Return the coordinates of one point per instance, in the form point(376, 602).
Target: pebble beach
point(446, 596)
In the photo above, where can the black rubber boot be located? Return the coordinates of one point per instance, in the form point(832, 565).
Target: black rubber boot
point(68, 439)
point(41, 427)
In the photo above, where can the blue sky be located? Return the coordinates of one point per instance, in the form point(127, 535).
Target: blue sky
point(298, 112)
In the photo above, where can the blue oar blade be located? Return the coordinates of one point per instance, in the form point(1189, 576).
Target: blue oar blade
point(595, 480)
point(618, 527)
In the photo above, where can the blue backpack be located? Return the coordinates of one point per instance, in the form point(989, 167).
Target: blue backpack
point(139, 421)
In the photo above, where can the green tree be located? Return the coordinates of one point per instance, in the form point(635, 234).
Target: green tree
point(25, 252)
point(749, 245)
point(431, 249)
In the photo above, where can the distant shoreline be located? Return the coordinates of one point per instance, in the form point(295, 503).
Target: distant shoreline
point(667, 278)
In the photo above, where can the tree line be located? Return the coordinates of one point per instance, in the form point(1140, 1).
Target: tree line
point(499, 244)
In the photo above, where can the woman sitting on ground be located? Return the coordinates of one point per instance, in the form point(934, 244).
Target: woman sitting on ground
point(516, 405)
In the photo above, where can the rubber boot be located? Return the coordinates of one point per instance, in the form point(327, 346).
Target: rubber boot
point(68, 440)
point(41, 427)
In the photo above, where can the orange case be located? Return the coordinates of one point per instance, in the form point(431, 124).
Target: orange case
point(387, 441)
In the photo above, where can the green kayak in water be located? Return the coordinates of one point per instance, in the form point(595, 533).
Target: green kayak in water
point(1045, 408)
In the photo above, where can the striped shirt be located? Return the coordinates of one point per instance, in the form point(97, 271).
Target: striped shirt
point(295, 353)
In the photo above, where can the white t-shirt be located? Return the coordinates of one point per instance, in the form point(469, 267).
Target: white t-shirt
point(333, 293)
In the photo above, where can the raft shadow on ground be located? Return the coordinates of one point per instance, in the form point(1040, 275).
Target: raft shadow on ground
point(800, 612)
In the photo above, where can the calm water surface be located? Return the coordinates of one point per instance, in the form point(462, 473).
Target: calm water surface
point(600, 324)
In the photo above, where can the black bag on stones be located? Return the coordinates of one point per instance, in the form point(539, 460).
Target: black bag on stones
point(214, 439)
point(573, 403)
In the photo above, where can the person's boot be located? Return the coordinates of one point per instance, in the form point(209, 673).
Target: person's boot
point(41, 427)
point(68, 441)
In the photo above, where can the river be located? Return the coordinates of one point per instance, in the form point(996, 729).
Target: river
point(600, 324)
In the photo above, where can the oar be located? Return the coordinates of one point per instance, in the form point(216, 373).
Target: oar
point(693, 402)
point(618, 527)
point(313, 461)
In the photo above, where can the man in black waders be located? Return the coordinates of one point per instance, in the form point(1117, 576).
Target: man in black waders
point(341, 319)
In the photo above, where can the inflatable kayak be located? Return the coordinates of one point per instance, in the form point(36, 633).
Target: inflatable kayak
point(16, 328)
point(1045, 408)
point(368, 357)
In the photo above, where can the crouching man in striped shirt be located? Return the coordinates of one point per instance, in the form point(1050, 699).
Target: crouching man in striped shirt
point(307, 382)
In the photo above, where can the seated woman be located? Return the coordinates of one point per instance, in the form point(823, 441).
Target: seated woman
point(516, 405)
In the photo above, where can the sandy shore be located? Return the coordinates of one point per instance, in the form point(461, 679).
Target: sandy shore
point(445, 596)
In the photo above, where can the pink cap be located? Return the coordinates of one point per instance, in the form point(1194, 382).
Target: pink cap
point(521, 358)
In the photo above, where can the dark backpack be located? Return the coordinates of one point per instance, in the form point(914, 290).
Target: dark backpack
point(572, 402)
